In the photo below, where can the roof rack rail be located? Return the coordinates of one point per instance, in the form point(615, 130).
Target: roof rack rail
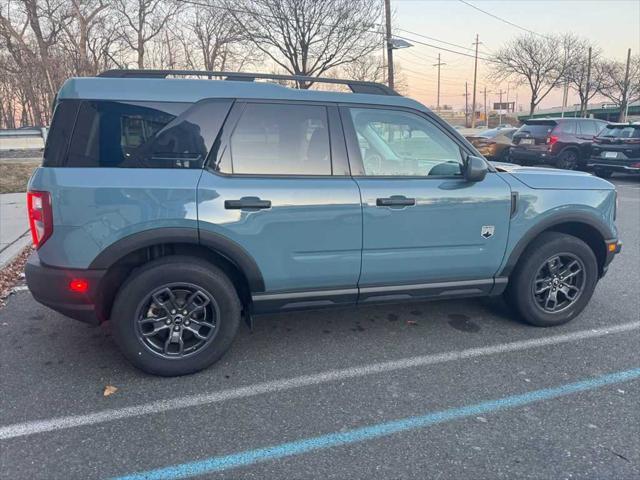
point(356, 86)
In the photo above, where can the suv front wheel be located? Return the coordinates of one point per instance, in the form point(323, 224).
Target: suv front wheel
point(174, 316)
point(554, 280)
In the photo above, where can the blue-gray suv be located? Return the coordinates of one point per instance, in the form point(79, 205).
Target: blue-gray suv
point(174, 207)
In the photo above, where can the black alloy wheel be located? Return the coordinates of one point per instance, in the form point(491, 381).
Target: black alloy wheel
point(177, 320)
point(559, 282)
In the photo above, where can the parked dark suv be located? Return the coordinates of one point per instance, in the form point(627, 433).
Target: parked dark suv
point(563, 142)
point(616, 149)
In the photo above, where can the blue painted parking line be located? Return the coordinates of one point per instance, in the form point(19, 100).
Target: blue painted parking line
point(249, 457)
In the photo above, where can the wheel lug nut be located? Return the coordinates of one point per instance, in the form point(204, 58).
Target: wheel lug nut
point(187, 322)
point(173, 312)
point(176, 328)
point(167, 321)
point(184, 312)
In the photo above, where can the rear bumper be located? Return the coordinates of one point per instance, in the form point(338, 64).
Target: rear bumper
point(539, 156)
point(628, 166)
point(50, 287)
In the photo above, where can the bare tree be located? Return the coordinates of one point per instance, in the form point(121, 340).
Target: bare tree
point(586, 76)
point(143, 20)
point(309, 37)
point(219, 40)
point(85, 17)
point(541, 63)
point(620, 87)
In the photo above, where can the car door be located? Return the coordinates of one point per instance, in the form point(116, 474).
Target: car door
point(278, 186)
point(426, 231)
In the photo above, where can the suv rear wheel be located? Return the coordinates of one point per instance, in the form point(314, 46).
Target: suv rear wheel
point(554, 280)
point(174, 316)
point(603, 173)
point(568, 159)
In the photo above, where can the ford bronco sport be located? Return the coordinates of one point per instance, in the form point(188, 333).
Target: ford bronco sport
point(176, 206)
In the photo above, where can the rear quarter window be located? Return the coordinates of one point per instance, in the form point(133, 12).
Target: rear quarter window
point(145, 134)
point(64, 117)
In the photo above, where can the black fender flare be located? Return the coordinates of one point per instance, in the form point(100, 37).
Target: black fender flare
point(554, 220)
point(220, 244)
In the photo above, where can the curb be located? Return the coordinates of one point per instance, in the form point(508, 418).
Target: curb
point(11, 251)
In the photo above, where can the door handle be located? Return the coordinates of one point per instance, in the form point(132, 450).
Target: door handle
point(395, 201)
point(247, 203)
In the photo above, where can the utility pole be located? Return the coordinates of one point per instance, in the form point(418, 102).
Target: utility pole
point(565, 96)
point(439, 64)
point(387, 14)
point(486, 118)
point(624, 108)
point(475, 74)
point(466, 105)
point(585, 107)
point(500, 109)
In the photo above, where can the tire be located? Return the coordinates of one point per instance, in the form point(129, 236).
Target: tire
point(532, 267)
point(568, 159)
point(602, 173)
point(144, 305)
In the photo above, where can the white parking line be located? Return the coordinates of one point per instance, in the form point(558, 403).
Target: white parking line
point(62, 423)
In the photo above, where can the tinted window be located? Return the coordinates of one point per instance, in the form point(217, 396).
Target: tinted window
point(281, 140)
point(136, 135)
point(399, 143)
point(587, 127)
point(64, 117)
point(567, 126)
point(621, 131)
point(537, 129)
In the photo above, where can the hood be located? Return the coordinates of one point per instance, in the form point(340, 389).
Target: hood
point(551, 178)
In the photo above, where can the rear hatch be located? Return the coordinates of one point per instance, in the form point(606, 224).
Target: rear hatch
point(533, 134)
point(617, 143)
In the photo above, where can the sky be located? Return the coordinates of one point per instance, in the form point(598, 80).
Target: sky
point(612, 25)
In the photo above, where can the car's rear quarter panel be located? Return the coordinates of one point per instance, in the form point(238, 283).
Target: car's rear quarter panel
point(95, 207)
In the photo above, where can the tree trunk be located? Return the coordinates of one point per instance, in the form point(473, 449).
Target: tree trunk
point(623, 109)
point(532, 107)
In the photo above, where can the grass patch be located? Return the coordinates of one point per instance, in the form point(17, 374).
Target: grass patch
point(15, 175)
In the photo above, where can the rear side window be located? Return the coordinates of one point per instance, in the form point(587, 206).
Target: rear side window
point(279, 139)
point(568, 126)
point(139, 135)
point(587, 127)
point(64, 118)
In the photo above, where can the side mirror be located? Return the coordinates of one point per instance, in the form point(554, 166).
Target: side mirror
point(475, 169)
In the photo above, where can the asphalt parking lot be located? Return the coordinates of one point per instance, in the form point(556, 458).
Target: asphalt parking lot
point(442, 390)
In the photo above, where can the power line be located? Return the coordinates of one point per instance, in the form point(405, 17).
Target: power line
point(442, 48)
point(434, 39)
point(501, 19)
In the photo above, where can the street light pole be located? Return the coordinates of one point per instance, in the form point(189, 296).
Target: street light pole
point(387, 13)
point(475, 74)
point(439, 64)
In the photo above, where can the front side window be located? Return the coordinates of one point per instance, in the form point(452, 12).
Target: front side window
point(279, 139)
point(135, 135)
point(398, 143)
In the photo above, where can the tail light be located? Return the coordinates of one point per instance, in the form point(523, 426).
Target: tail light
point(551, 140)
point(40, 217)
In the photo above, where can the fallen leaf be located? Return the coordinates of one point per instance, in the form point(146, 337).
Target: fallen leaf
point(109, 390)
